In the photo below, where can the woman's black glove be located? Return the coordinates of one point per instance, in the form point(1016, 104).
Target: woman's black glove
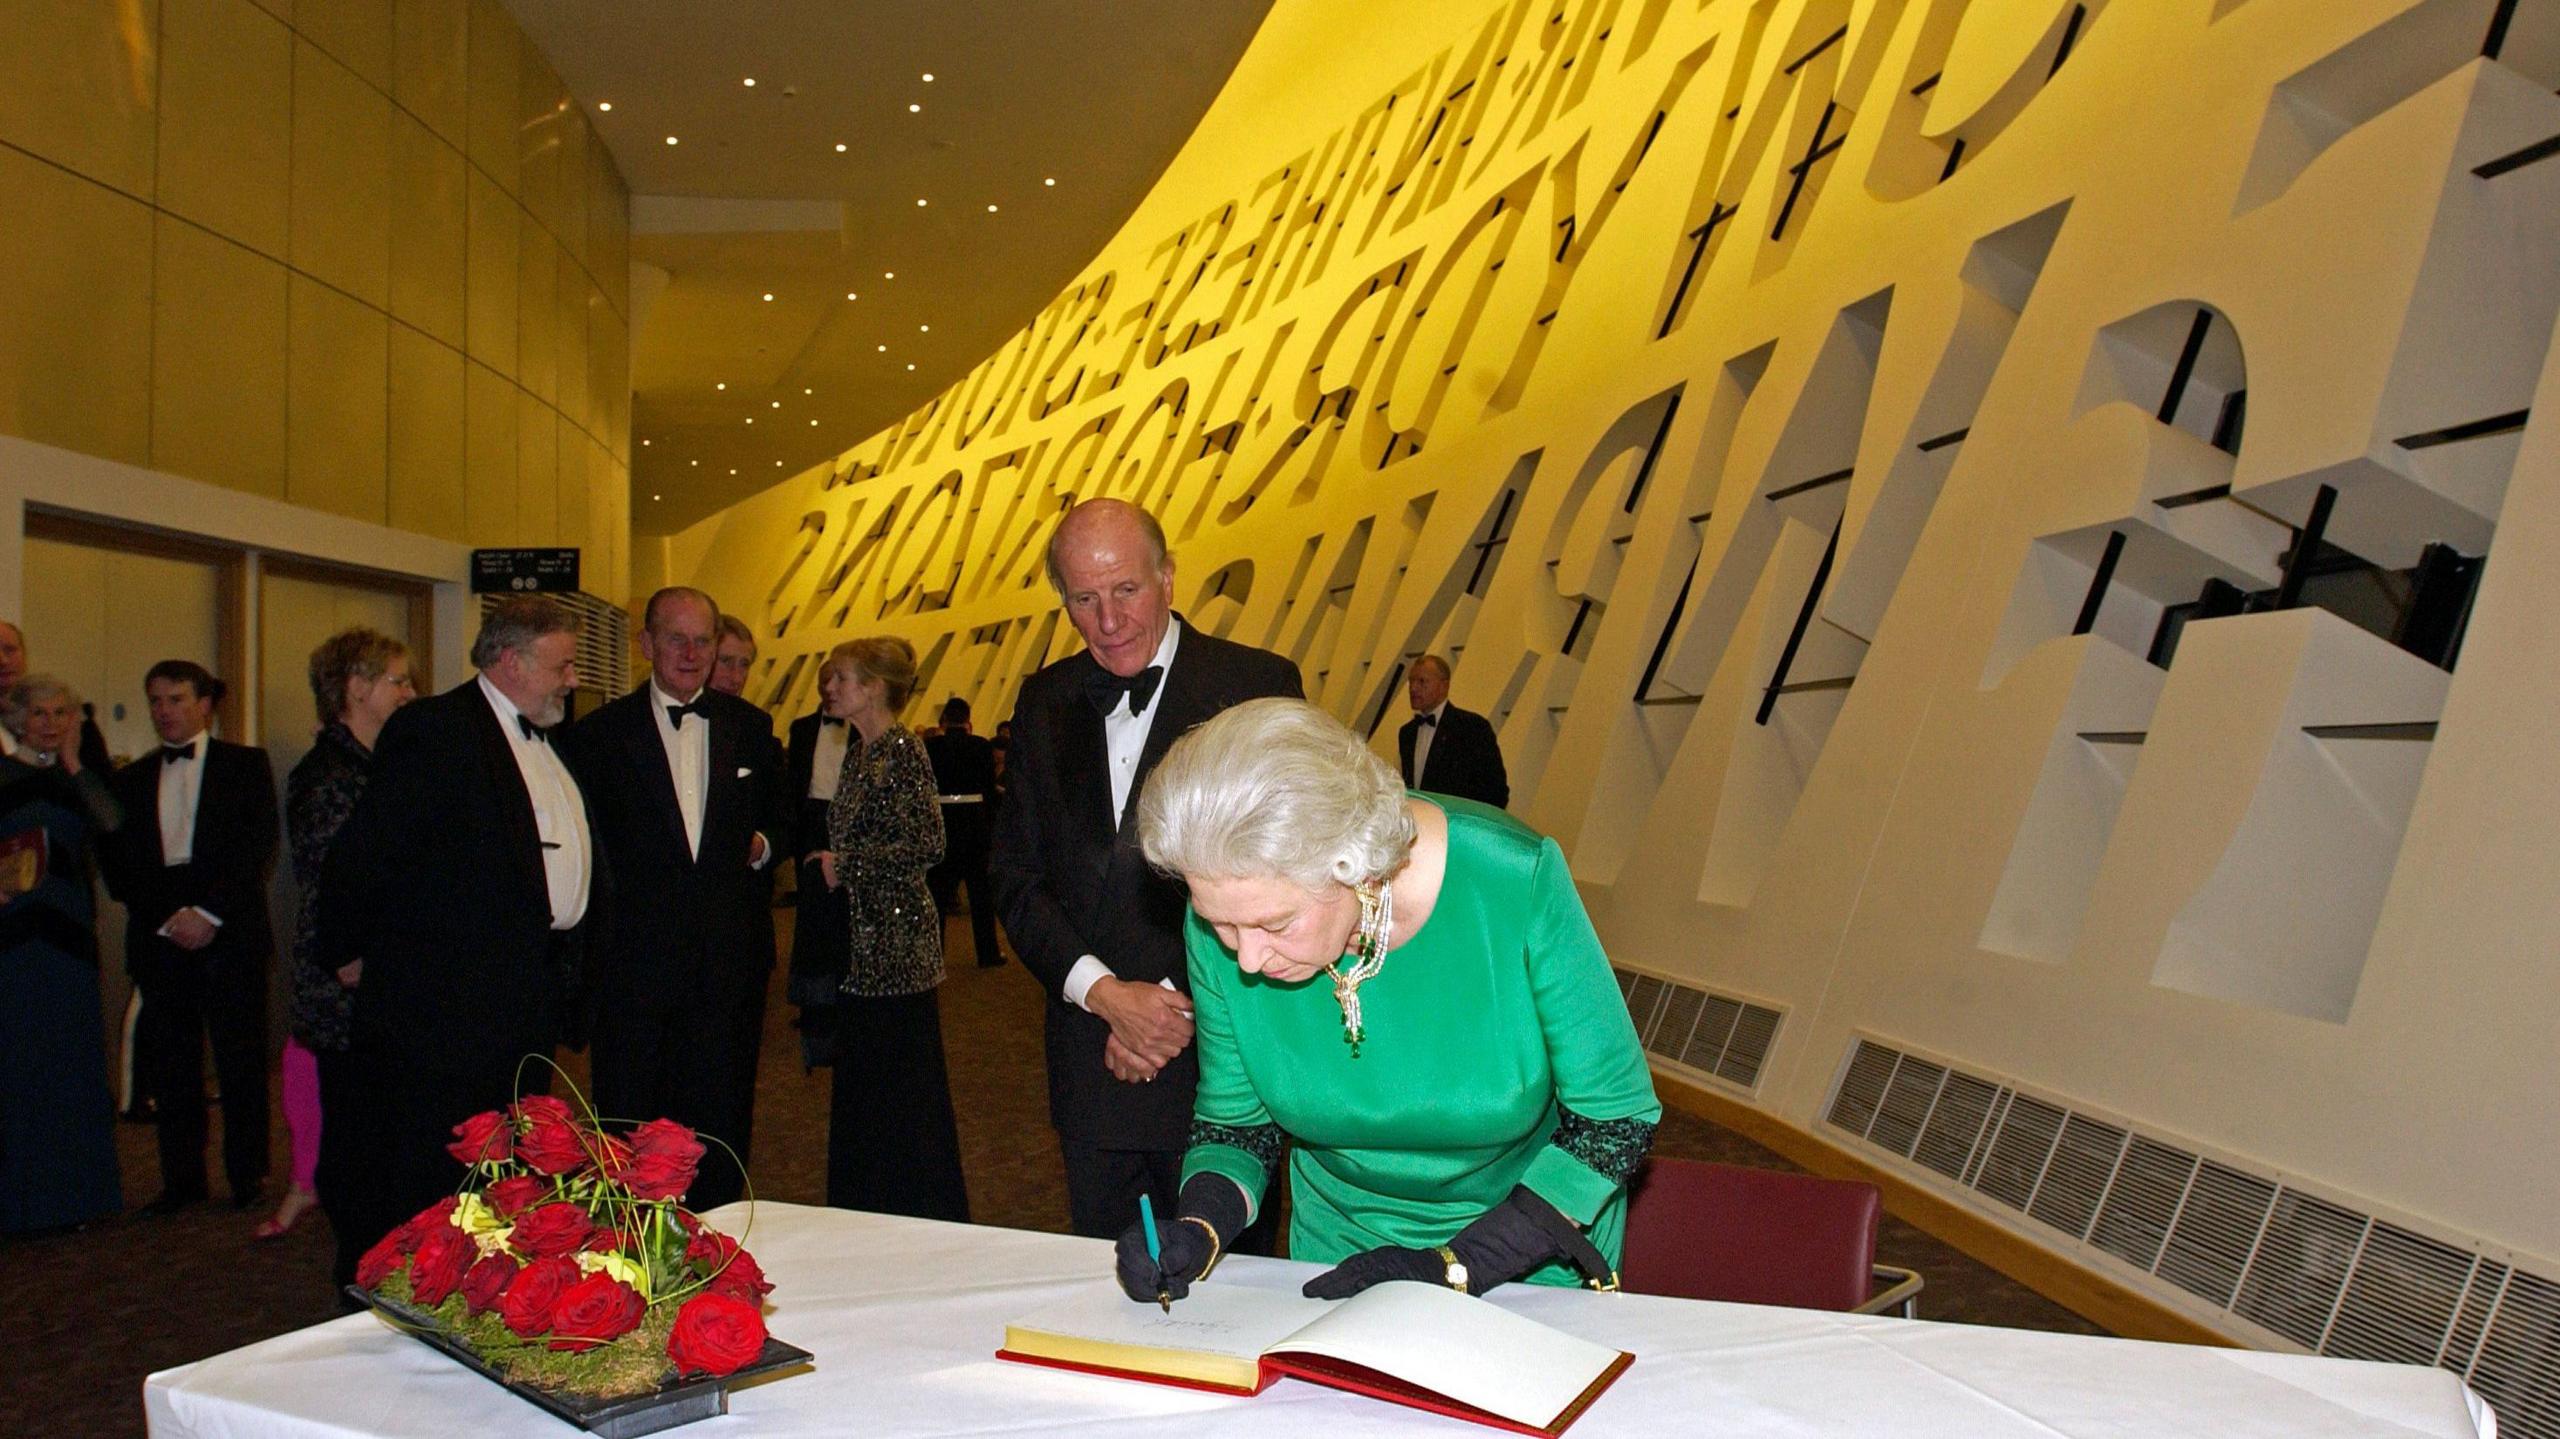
point(1507, 1241)
point(1210, 1200)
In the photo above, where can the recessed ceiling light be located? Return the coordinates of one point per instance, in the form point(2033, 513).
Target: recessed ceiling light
point(813, 424)
point(928, 77)
point(657, 497)
point(991, 209)
point(671, 139)
point(604, 104)
point(884, 349)
point(751, 419)
point(910, 364)
point(807, 391)
point(768, 295)
point(888, 274)
point(915, 109)
point(722, 385)
point(1050, 181)
point(697, 464)
point(751, 82)
point(777, 464)
point(851, 295)
point(920, 204)
point(777, 404)
point(839, 149)
point(733, 472)
point(644, 442)
point(924, 329)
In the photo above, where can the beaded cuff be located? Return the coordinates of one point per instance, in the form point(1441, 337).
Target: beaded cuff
point(1611, 1148)
point(1263, 1141)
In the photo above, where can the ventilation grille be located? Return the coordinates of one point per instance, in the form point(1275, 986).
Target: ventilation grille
point(2302, 1266)
point(1717, 1035)
point(604, 644)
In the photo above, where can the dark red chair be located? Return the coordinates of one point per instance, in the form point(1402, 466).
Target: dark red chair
point(1760, 1236)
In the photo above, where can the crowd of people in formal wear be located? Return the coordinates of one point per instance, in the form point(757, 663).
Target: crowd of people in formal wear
point(1262, 946)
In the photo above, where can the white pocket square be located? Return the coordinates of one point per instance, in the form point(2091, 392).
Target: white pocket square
point(742, 774)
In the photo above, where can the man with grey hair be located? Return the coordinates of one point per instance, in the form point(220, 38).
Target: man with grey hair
point(465, 881)
point(1100, 929)
point(686, 786)
point(1445, 749)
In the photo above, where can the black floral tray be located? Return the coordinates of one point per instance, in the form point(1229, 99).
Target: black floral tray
point(679, 1401)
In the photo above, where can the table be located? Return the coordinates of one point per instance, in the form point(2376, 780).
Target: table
point(904, 1316)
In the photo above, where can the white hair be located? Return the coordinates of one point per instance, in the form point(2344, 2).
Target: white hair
point(1275, 788)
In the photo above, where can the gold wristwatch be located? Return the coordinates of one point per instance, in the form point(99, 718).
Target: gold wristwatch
point(1455, 1272)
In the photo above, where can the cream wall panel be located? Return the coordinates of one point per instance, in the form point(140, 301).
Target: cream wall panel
point(493, 40)
point(538, 270)
point(428, 245)
point(574, 522)
point(570, 176)
point(431, 65)
point(106, 616)
point(341, 177)
point(357, 33)
point(426, 480)
point(79, 85)
point(338, 411)
point(218, 381)
point(569, 336)
point(75, 312)
point(540, 442)
point(65, 619)
point(542, 108)
point(495, 228)
point(489, 454)
point(1571, 339)
point(226, 120)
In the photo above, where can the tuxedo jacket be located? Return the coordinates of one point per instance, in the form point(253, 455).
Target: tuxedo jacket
point(677, 909)
point(1465, 759)
point(808, 816)
point(436, 882)
point(1068, 883)
point(233, 848)
point(964, 764)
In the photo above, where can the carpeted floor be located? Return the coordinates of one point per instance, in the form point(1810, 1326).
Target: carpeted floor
point(84, 1316)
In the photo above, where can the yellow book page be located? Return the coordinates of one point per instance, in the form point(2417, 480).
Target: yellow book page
point(1215, 1336)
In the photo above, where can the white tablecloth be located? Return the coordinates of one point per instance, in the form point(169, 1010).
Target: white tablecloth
point(905, 1315)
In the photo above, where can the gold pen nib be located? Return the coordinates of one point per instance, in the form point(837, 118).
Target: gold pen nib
point(1164, 1301)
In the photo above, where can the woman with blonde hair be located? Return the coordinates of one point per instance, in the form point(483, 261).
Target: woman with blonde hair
point(1406, 987)
point(892, 1144)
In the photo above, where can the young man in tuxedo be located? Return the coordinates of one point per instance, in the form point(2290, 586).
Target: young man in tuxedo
point(686, 784)
point(735, 659)
point(466, 880)
point(964, 781)
point(191, 866)
point(1445, 749)
point(1101, 929)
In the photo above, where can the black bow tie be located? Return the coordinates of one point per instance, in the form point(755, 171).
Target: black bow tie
point(172, 753)
point(676, 713)
point(1430, 721)
point(1105, 688)
point(532, 731)
point(838, 721)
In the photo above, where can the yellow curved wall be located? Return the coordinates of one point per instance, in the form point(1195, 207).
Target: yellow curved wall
point(1566, 337)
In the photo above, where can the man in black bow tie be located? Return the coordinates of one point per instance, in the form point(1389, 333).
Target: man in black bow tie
point(687, 788)
point(191, 866)
point(467, 881)
point(1445, 749)
point(1099, 928)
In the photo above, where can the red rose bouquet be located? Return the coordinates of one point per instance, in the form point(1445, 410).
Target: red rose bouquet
point(566, 1262)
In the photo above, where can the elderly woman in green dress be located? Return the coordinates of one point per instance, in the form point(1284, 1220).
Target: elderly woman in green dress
point(1406, 987)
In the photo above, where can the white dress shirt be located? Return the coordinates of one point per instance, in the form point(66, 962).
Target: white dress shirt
point(181, 790)
point(688, 748)
point(559, 813)
point(1124, 739)
point(1422, 738)
point(826, 762)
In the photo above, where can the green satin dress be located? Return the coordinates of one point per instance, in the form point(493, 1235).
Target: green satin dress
point(1498, 1052)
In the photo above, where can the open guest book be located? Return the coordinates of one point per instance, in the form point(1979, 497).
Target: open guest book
point(1418, 1344)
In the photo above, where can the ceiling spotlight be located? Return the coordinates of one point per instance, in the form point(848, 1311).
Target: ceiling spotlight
point(722, 385)
point(813, 424)
point(924, 329)
point(884, 349)
point(1052, 180)
point(671, 139)
point(604, 104)
point(920, 204)
point(697, 464)
point(910, 364)
point(768, 295)
point(991, 209)
point(851, 295)
point(928, 77)
point(888, 274)
point(839, 149)
point(657, 497)
point(644, 442)
point(807, 391)
point(915, 109)
point(733, 472)
point(751, 82)
point(751, 419)
point(777, 464)
point(777, 404)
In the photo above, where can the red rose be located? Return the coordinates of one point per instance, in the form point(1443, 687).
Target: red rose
point(550, 1229)
point(548, 1139)
point(727, 1268)
point(515, 1194)
point(607, 1240)
point(382, 1261)
point(486, 1280)
point(482, 1139)
point(437, 1271)
point(658, 1160)
point(594, 1310)
point(526, 1306)
point(715, 1334)
point(438, 1215)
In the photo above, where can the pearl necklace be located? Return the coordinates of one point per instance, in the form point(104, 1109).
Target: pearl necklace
point(1369, 942)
